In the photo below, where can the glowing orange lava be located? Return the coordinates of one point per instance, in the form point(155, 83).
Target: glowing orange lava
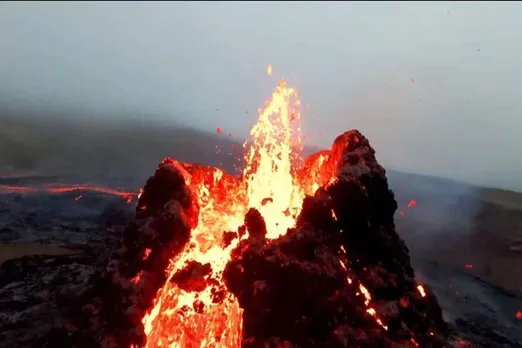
point(269, 184)
point(273, 183)
point(59, 188)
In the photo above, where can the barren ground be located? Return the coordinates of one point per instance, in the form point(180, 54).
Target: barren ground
point(490, 247)
point(484, 240)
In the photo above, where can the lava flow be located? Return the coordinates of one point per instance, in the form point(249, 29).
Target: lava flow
point(198, 317)
point(59, 188)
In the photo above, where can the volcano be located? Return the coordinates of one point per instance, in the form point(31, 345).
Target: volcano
point(293, 253)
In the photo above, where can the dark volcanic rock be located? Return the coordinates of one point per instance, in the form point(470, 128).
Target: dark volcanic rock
point(192, 277)
point(33, 292)
point(58, 218)
point(34, 289)
point(342, 277)
point(118, 296)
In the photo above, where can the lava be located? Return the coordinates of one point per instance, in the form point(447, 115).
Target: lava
point(58, 188)
point(269, 183)
point(271, 161)
point(274, 182)
point(292, 248)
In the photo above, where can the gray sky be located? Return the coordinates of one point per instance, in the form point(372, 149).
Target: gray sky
point(437, 87)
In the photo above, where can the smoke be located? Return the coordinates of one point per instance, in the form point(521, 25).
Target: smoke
point(449, 222)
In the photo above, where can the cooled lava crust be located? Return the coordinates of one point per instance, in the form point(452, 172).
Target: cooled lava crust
point(341, 278)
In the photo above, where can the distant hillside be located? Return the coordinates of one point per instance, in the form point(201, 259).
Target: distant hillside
point(97, 147)
point(132, 147)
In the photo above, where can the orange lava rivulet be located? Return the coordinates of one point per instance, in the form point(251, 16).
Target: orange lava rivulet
point(60, 188)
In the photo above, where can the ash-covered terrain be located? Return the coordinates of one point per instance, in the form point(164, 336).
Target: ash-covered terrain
point(52, 243)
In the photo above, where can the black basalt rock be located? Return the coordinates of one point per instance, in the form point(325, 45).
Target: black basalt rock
point(342, 277)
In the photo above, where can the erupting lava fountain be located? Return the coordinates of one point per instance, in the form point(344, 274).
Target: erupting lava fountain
point(207, 315)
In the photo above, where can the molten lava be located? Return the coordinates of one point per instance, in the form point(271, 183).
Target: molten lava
point(207, 315)
point(195, 308)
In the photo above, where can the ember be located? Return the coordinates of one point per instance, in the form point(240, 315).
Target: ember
point(288, 255)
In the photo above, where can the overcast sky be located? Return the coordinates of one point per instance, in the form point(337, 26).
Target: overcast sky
point(437, 87)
